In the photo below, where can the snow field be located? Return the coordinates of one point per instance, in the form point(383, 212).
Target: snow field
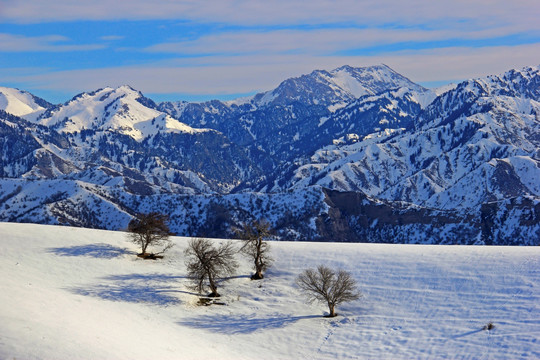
point(19, 103)
point(70, 293)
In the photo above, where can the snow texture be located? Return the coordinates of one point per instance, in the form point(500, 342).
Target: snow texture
point(20, 103)
point(70, 293)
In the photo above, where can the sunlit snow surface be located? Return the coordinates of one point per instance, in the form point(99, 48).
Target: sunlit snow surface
point(76, 293)
point(20, 103)
point(115, 109)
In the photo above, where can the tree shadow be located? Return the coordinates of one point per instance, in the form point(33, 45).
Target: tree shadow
point(136, 288)
point(131, 293)
point(144, 277)
point(274, 272)
point(234, 277)
point(467, 333)
point(102, 251)
point(241, 324)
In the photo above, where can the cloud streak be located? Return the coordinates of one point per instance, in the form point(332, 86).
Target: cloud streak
point(112, 37)
point(518, 14)
point(221, 47)
point(320, 41)
point(49, 43)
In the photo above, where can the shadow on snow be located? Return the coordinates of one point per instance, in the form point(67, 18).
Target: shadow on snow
point(102, 251)
point(467, 334)
point(233, 277)
point(136, 288)
point(241, 324)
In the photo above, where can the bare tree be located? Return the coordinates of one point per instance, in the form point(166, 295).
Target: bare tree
point(150, 229)
point(255, 246)
point(205, 261)
point(325, 285)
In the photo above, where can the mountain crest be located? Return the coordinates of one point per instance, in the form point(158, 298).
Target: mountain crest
point(340, 85)
point(462, 168)
point(121, 109)
point(22, 103)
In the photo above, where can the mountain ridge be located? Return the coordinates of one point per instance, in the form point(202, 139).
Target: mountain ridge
point(464, 153)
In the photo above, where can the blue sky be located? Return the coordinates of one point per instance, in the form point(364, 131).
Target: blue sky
point(198, 50)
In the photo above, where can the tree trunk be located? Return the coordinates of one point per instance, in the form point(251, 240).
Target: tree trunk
point(258, 266)
point(258, 270)
point(147, 241)
point(213, 287)
point(144, 245)
point(332, 310)
point(257, 276)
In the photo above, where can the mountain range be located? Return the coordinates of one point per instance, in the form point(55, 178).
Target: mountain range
point(351, 154)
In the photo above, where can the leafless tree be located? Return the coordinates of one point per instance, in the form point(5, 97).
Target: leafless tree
point(325, 285)
point(205, 261)
point(150, 229)
point(255, 247)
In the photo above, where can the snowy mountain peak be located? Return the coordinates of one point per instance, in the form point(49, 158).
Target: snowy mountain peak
point(338, 86)
point(122, 109)
point(528, 72)
point(523, 82)
point(21, 103)
point(370, 80)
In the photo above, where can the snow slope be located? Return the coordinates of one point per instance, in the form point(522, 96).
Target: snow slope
point(337, 87)
point(77, 293)
point(20, 103)
point(120, 109)
point(462, 153)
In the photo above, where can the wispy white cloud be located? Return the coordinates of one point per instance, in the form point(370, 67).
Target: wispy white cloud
point(282, 41)
point(112, 37)
point(320, 41)
point(517, 15)
point(48, 43)
point(251, 45)
point(233, 75)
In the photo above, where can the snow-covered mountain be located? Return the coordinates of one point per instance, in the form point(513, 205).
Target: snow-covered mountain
point(460, 167)
point(283, 122)
point(122, 110)
point(475, 144)
point(337, 87)
point(22, 103)
point(116, 136)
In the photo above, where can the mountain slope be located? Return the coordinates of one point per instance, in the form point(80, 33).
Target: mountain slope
point(460, 168)
point(470, 146)
point(79, 293)
point(114, 133)
point(282, 122)
point(122, 110)
point(22, 103)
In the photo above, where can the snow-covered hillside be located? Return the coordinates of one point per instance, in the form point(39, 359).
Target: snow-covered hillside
point(76, 293)
point(475, 144)
point(121, 109)
point(22, 103)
